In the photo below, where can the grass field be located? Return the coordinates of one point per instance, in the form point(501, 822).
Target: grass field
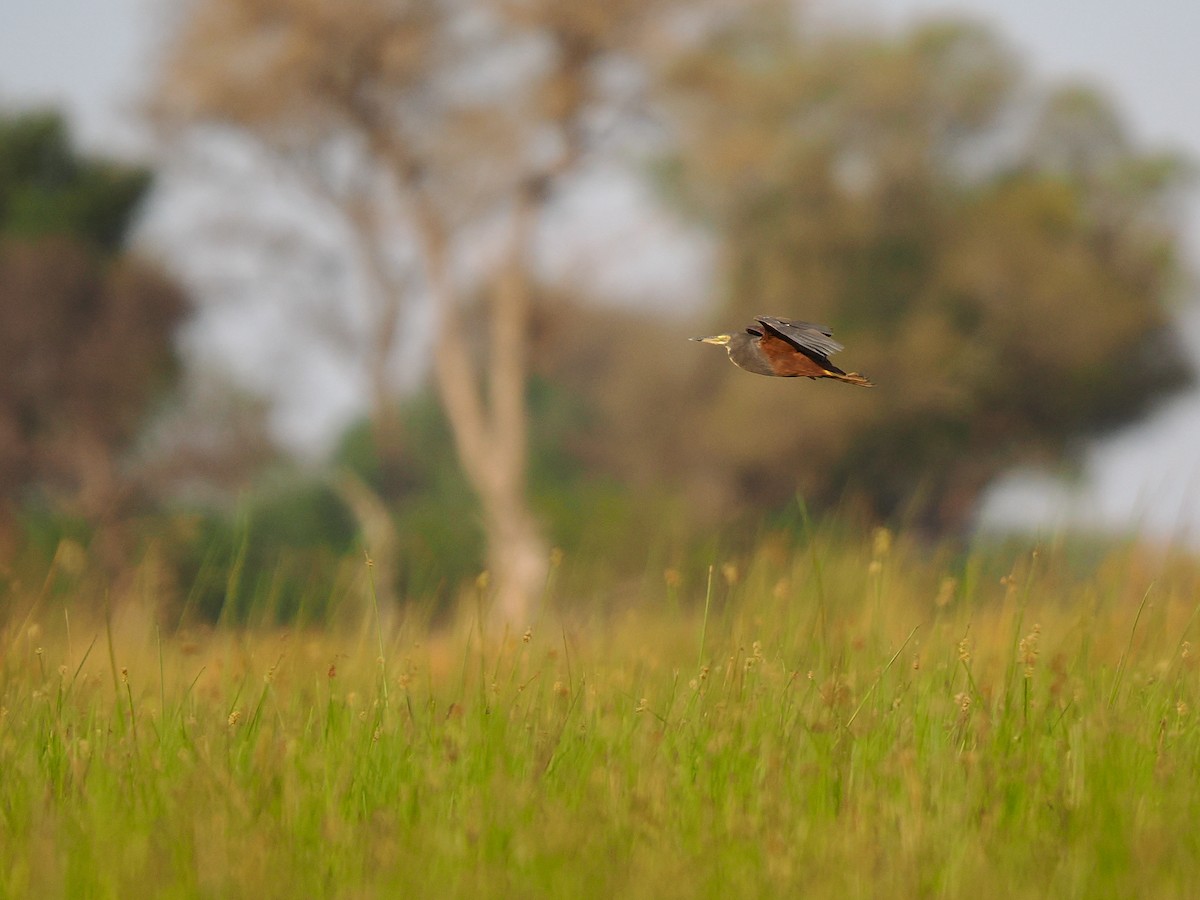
point(842, 718)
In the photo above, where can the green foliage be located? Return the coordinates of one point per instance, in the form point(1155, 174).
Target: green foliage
point(843, 718)
point(440, 539)
point(46, 188)
point(279, 561)
point(295, 536)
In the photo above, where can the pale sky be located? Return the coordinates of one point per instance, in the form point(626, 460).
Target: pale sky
point(91, 58)
point(88, 56)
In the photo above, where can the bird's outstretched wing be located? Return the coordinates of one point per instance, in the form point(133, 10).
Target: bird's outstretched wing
point(805, 336)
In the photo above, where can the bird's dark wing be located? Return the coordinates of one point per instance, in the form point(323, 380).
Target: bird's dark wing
point(804, 336)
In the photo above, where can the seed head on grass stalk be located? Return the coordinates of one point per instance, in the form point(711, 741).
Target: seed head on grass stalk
point(1112, 698)
point(383, 685)
point(704, 622)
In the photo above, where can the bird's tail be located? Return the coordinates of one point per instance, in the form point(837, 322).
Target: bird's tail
point(851, 378)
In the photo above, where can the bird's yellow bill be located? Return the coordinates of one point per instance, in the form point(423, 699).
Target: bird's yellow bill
point(713, 339)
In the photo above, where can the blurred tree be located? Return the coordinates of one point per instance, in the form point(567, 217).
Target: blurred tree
point(85, 330)
point(998, 258)
point(440, 131)
point(999, 264)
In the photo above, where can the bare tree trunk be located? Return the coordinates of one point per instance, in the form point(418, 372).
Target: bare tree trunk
point(491, 437)
point(518, 554)
point(518, 557)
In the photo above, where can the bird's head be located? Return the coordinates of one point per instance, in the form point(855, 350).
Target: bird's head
point(721, 339)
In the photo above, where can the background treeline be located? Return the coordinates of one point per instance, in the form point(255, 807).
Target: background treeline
point(999, 256)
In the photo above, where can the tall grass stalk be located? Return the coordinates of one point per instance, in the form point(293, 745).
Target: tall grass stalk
point(704, 620)
point(1120, 673)
point(382, 661)
point(879, 678)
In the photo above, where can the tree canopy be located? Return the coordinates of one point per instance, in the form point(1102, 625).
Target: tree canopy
point(998, 255)
point(85, 329)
